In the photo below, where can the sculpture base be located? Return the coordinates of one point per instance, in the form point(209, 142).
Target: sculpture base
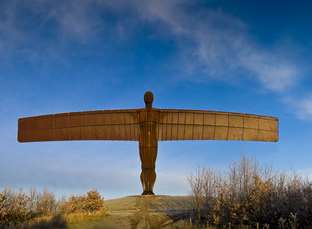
point(147, 193)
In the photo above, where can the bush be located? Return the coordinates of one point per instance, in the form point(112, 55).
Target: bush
point(93, 202)
point(89, 203)
point(46, 204)
point(248, 194)
point(14, 207)
point(20, 207)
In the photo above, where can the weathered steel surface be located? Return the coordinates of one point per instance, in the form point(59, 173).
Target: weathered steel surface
point(93, 125)
point(213, 125)
point(148, 126)
point(148, 143)
point(169, 125)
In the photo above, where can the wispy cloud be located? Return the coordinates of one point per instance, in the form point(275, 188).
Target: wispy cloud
point(75, 20)
point(210, 41)
point(219, 44)
point(10, 35)
point(302, 106)
point(31, 30)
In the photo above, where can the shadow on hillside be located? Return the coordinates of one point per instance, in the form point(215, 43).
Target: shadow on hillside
point(56, 222)
point(145, 217)
point(176, 215)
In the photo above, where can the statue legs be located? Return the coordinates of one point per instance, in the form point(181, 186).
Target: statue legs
point(148, 156)
point(148, 177)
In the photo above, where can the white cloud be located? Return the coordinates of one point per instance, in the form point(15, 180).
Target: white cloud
point(10, 34)
point(211, 41)
point(76, 20)
point(302, 106)
point(270, 70)
point(31, 30)
point(219, 44)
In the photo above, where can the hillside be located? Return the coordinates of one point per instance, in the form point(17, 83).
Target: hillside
point(142, 212)
point(154, 203)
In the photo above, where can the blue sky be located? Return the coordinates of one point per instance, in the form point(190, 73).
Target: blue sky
point(242, 56)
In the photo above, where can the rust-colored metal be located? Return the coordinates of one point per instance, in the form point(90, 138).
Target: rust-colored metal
point(148, 126)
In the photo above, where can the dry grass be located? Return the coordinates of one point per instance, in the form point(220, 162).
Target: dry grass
point(249, 195)
point(23, 210)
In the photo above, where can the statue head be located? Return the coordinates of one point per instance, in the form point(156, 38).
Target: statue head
point(148, 99)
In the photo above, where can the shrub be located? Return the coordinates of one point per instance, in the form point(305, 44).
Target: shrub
point(46, 204)
point(248, 194)
point(20, 207)
point(14, 207)
point(93, 202)
point(89, 203)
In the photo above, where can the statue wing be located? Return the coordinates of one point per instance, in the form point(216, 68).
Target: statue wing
point(90, 125)
point(214, 125)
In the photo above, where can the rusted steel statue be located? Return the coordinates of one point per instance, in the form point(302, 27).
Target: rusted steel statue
point(148, 126)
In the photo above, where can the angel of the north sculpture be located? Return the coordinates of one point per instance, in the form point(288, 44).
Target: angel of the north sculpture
point(148, 126)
